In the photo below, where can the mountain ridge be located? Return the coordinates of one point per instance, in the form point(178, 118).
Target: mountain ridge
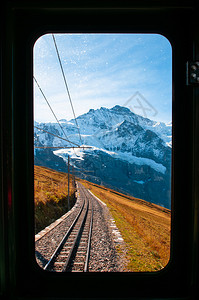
point(132, 146)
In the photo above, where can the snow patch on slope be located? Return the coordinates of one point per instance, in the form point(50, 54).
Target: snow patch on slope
point(79, 154)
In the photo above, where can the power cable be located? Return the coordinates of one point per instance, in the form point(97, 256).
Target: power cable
point(77, 146)
point(61, 147)
point(52, 109)
point(57, 136)
point(66, 85)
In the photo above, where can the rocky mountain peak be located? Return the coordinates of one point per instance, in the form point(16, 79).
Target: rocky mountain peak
point(122, 143)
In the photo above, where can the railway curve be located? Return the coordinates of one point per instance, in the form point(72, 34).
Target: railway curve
point(82, 241)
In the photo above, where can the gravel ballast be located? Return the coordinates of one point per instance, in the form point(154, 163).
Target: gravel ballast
point(106, 240)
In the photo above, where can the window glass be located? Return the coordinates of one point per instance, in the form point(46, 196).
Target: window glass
point(102, 152)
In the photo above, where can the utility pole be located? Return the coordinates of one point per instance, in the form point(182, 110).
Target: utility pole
point(68, 182)
point(73, 170)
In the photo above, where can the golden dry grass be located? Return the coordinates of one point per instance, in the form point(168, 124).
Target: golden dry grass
point(50, 195)
point(49, 184)
point(144, 226)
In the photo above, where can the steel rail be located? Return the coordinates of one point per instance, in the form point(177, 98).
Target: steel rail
point(60, 246)
point(78, 236)
point(39, 236)
point(85, 218)
point(89, 242)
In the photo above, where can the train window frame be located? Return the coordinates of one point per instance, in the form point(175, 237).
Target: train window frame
point(24, 24)
point(89, 38)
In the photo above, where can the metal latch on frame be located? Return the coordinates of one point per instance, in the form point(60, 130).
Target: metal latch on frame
point(192, 73)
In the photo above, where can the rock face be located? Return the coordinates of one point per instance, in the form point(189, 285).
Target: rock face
point(128, 153)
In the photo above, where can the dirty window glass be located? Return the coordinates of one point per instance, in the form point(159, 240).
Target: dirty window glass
point(102, 152)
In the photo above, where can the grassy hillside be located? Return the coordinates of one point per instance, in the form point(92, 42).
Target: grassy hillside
point(50, 195)
point(145, 228)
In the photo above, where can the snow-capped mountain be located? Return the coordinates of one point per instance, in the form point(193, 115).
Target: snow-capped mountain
point(127, 152)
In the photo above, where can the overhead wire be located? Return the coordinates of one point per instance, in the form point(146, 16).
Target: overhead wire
point(56, 135)
point(63, 147)
point(70, 99)
point(59, 147)
point(52, 111)
point(66, 85)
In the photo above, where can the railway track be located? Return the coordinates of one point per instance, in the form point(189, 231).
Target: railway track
point(72, 252)
point(83, 240)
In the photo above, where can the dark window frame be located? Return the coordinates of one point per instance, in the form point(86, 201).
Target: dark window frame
point(24, 24)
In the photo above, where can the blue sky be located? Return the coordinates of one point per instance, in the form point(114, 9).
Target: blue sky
point(104, 70)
